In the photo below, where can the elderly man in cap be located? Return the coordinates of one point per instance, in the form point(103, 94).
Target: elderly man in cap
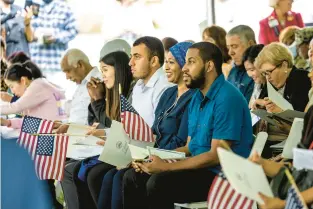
point(71, 166)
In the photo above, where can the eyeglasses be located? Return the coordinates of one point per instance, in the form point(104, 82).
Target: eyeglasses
point(269, 72)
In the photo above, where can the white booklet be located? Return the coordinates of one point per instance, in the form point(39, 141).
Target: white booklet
point(302, 159)
point(277, 98)
point(139, 153)
point(259, 143)
point(116, 149)
point(119, 150)
point(75, 130)
point(248, 180)
point(293, 139)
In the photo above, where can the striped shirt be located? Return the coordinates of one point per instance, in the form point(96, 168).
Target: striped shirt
point(55, 19)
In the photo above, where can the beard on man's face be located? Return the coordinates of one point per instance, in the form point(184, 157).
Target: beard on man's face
point(198, 81)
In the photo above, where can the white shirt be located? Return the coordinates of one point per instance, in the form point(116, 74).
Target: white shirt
point(255, 94)
point(145, 98)
point(81, 99)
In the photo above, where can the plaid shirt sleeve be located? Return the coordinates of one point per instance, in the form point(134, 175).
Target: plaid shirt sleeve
point(69, 28)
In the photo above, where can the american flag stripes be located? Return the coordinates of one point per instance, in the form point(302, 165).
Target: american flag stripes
point(50, 156)
point(134, 125)
point(48, 151)
point(293, 200)
point(223, 196)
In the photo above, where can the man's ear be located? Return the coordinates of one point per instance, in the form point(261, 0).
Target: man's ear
point(209, 66)
point(251, 43)
point(155, 61)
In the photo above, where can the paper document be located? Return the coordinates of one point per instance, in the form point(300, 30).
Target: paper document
point(249, 180)
point(277, 98)
point(280, 145)
point(80, 152)
point(166, 154)
point(9, 133)
point(72, 140)
point(302, 159)
point(259, 143)
point(116, 151)
point(294, 138)
point(264, 115)
point(254, 118)
point(138, 152)
point(88, 140)
point(290, 115)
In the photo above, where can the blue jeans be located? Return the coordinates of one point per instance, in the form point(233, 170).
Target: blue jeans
point(110, 196)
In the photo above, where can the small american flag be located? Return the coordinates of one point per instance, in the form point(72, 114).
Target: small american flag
point(48, 151)
point(32, 125)
point(294, 201)
point(223, 196)
point(134, 125)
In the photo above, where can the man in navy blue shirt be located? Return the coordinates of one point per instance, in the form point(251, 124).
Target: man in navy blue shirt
point(238, 39)
point(217, 112)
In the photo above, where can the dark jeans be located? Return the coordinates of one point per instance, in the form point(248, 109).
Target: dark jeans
point(162, 190)
point(79, 194)
point(92, 187)
point(111, 190)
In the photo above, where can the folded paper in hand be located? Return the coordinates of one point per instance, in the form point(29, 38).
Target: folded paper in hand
point(119, 150)
point(249, 180)
point(287, 116)
point(277, 98)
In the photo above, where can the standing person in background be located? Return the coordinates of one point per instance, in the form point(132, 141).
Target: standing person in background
point(217, 35)
point(238, 39)
point(303, 38)
point(16, 28)
point(281, 17)
point(54, 27)
point(288, 37)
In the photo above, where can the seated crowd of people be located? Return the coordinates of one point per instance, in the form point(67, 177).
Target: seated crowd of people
point(195, 97)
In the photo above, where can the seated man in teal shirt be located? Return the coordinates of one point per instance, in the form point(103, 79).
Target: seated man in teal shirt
point(217, 112)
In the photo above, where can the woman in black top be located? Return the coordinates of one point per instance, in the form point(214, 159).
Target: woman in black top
point(276, 64)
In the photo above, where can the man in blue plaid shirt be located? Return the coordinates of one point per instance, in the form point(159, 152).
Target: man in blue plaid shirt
point(53, 28)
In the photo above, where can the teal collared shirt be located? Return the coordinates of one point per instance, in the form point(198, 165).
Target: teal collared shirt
point(223, 114)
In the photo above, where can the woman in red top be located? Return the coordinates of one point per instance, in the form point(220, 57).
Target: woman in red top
point(281, 17)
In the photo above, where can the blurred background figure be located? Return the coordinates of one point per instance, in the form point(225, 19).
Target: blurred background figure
point(168, 42)
point(54, 27)
point(280, 18)
point(15, 26)
point(126, 19)
point(302, 39)
point(217, 35)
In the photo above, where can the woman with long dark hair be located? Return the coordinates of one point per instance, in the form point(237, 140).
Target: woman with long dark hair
point(105, 106)
point(25, 80)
